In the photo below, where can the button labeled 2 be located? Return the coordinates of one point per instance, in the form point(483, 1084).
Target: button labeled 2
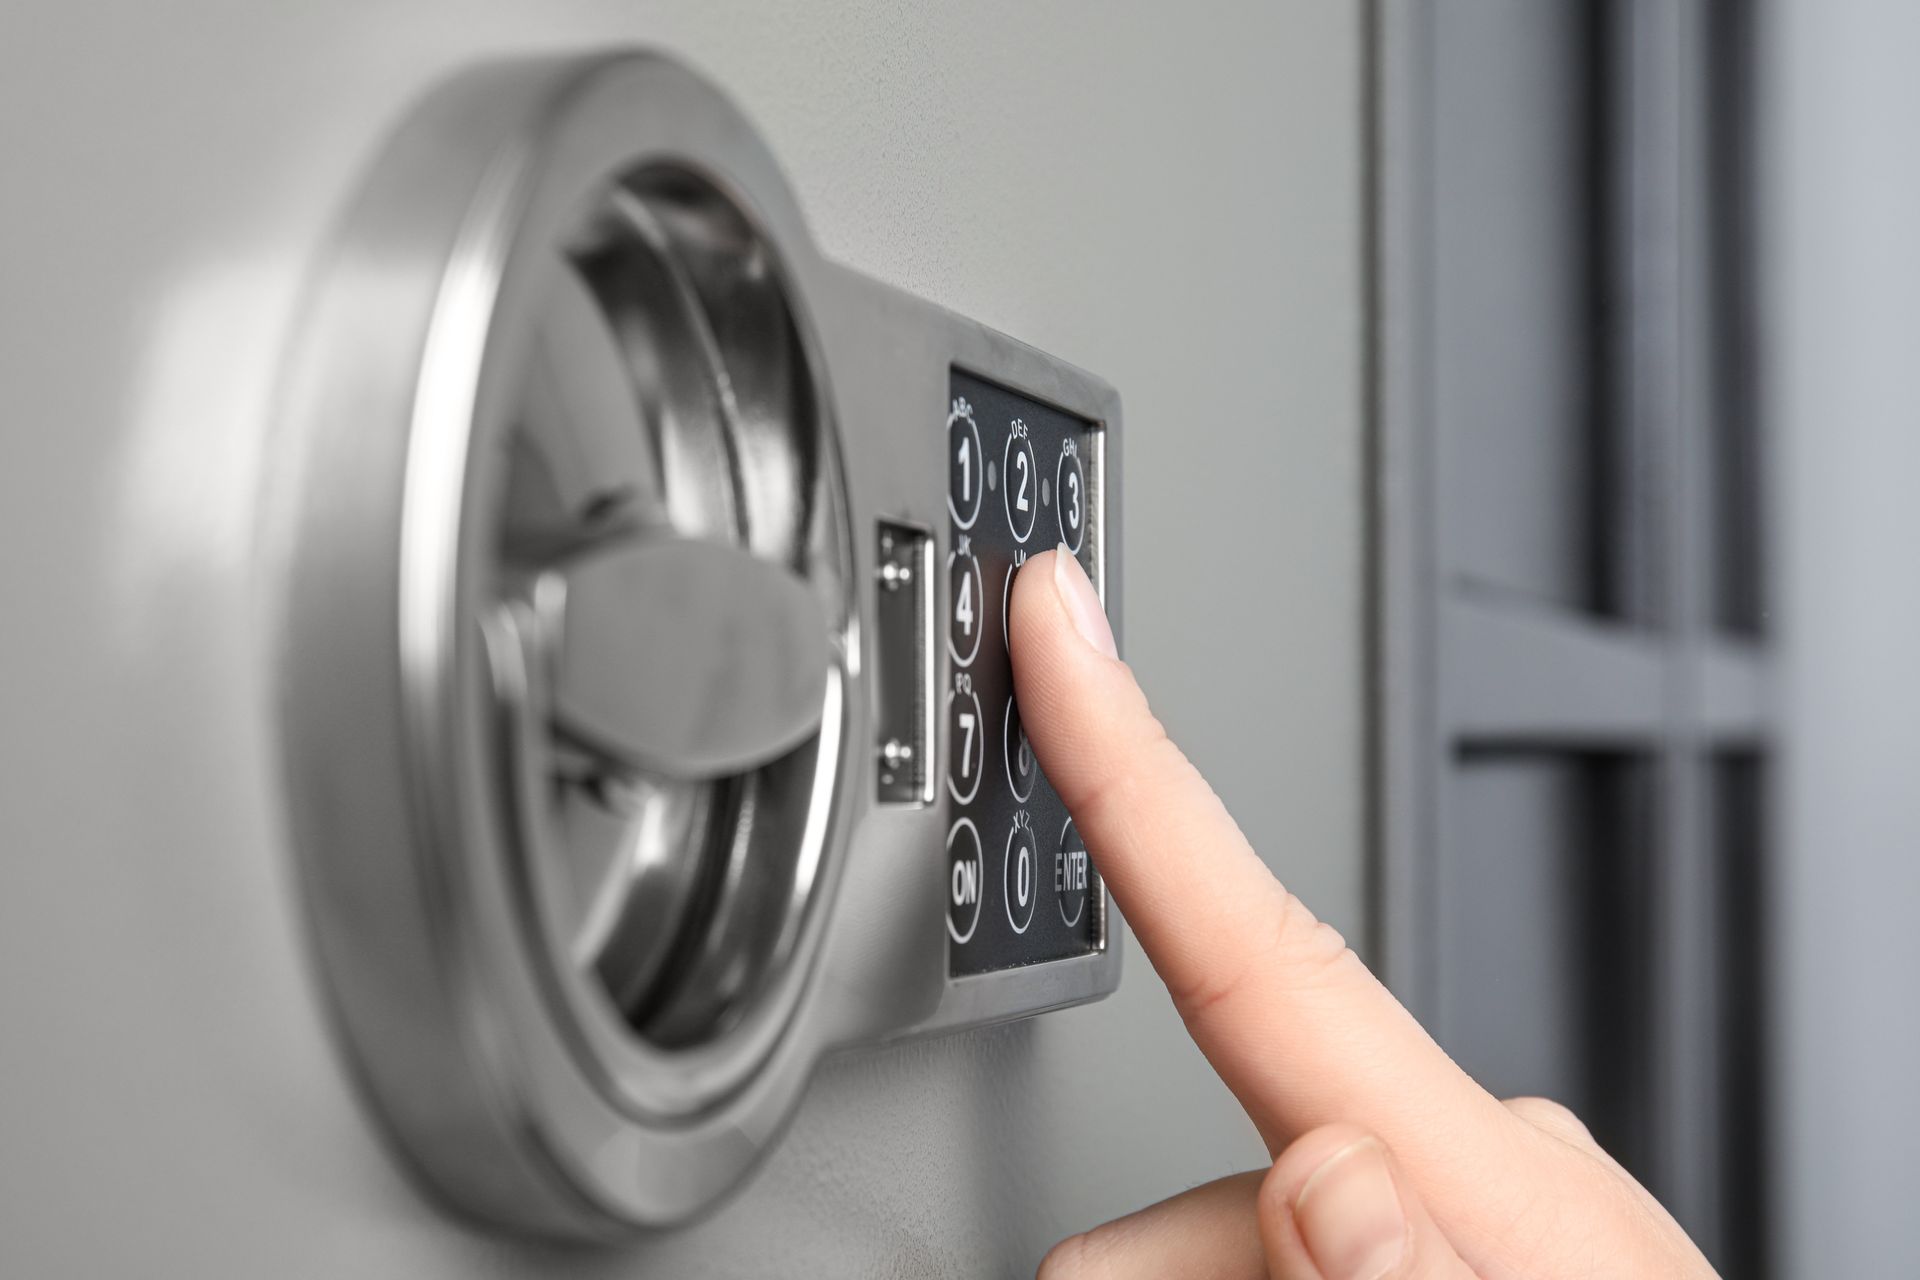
point(1021, 484)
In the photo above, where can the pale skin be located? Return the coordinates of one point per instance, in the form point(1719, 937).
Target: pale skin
point(1388, 1161)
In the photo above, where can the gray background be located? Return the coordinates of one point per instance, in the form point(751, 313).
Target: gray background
point(1168, 195)
point(1844, 199)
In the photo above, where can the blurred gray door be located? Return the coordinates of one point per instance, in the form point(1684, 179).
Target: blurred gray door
point(1571, 701)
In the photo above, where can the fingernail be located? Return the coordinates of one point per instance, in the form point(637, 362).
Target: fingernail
point(1349, 1215)
point(1083, 606)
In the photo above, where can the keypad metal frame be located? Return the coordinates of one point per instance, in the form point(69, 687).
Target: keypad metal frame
point(893, 356)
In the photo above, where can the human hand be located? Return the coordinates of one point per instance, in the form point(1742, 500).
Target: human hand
point(1389, 1161)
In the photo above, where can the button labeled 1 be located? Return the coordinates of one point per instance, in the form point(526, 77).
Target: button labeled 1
point(963, 465)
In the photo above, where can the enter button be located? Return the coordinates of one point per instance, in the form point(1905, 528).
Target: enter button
point(1070, 875)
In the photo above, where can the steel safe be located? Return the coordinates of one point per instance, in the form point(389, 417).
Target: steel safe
point(1171, 203)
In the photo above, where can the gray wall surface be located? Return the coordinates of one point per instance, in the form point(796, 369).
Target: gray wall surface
point(1167, 195)
point(1844, 320)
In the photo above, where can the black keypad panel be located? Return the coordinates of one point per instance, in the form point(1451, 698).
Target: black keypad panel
point(1022, 478)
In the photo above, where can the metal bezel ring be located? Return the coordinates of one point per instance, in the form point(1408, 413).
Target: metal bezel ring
point(520, 1103)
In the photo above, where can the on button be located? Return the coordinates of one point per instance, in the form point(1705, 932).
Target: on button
point(964, 867)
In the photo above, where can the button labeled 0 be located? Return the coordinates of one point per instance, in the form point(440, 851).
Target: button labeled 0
point(1018, 881)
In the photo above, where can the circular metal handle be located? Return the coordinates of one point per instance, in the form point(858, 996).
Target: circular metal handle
point(686, 658)
point(659, 517)
point(570, 643)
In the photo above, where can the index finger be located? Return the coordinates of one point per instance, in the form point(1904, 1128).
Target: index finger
point(1291, 1019)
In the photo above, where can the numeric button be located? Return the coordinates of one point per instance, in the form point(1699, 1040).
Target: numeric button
point(1021, 767)
point(967, 745)
point(1006, 600)
point(968, 586)
point(1070, 497)
point(1018, 886)
point(1020, 483)
point(964, 465)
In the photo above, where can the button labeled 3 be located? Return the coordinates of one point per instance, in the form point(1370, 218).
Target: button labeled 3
point(1070, 492)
